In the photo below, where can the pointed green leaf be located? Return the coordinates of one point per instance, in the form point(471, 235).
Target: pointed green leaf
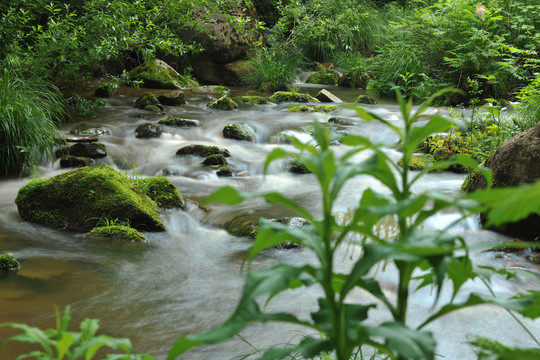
point(405, 342)
point(227, 195)
point(277, 153)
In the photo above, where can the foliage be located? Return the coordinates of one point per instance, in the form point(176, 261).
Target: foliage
point(529, 108)
point(342, 328)
point(271, 69)
point(85, 107)
point(8, 262)
point(62, 344)
point(29, 111)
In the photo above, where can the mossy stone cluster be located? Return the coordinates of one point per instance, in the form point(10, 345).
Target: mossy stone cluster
point(251, 99)
point(162, 192)
point(324, 77)
point(237, 132)
point(298, 167)
point(244, 225)
point(223, 103)
point(117, 233)
point(365, 99)
point(179, 122)
point(148, 102)
point(202, 150)
point(148, 130)
point(415, 163)
point(288, 96)
point(76, 199)
point(159, 75)
point(318, 108)
point(8, 262)
point(215, 160)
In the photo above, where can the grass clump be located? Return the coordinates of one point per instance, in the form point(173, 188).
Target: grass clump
point(118, 233)
point(29, 111)
point(8, 262)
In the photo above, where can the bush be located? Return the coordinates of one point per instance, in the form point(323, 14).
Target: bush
point(29, 111)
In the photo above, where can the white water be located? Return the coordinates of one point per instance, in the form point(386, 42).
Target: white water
point(188, 279)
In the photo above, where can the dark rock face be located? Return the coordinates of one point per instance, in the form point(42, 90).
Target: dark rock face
point(148, 102)
point(222, 45)
point(179, 122)
point(364, 99)
point(77, 199)
point(148, 130)
point(105, 91)
point(174, 98)
point(68, 161)
point(237, 132)
point(92, 150)
point(202, 150)
point(157, 74)
point(215, 160)
point(88, 129)
point(223, 103)
point(517, 161)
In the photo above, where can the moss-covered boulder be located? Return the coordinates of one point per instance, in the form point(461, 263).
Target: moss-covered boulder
point(288, 96)
point(202, 150)
point(215, 160)
point(244, 225)
point(8, 262)
point(157, 74)
point(164, 194)
point(237, 132)
point(117, 233)
point(75, 200)
point(365, 99)
point(93, 150)
point(415, 163)
point(174, 98)
point(299, 108)
point(223, 103)
point(251, 99)
point(148, 130)
point(297, 167)
point(148, 102)
point(324, 77)
point(225, 171)
point(68, 161)
point(516, 162)
point(178, 122)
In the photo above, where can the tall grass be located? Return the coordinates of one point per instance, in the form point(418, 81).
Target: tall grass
point(28, 111)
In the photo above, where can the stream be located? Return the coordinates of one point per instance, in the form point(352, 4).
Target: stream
point(188, 279)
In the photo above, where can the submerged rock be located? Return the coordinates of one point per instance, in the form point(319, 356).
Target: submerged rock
point(287, 96)
point(202, 150)
point(88, 129)
point(8, 262)
point(237, 132)
point(92, 150)
point(225, 171)
point(148, 130)
point(68, 161)
point(365, 99)
point(298, 167)
point(215, 160)
point(157, 74)
point(174, 121)
point(148, 102)
point(162, 192)
point(255, 100)
point(174, 98)
point(515, 162)
point(117, 233)
point(77, 199)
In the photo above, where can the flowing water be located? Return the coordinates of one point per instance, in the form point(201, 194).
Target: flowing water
point(188, 279)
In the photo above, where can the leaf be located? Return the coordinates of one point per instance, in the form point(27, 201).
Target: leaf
point(491, 349)
point(31, 335)
point(63, 344)
point(276, 198)
point(370, 116)
point(405, 342)
point(227, 195)
point(309, 348)
point(418, 134)
point(277, 153)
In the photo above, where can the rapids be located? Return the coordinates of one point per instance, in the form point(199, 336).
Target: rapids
point(188, 279)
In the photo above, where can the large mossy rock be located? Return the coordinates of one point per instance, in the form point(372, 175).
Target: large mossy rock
point(223, 103)
point(324, 77)
point(157, 74)
point(8, 262)
point(516, 162)
point(77, 199)
point(164, 194)
point(237, 132)
point(148, 102)
point(148, 130)
point(202, 150)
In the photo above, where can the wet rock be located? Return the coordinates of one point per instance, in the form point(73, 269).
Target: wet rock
point(326, 96)
point(157, 74)
point(298, 167)
point(287, 96)
point(237, 132)
point(324, 77)
point(8, 262)
point(117, 233)
point(224, 171)
point(162, 192)
point(365, 99)
point(215, 160)
point(202, 150)
point(174, 98)
point(223, 103)
point(516, 162)
point(415, 163)
point(105, 91)
point(77, 199)
point(148, 130)
point(255, 100)
point(68, 161)
point(148, 102)
point(94, 150)
point(211, 89)
point(179, 122)
point(341, 121)
point(89, 129)
point(81, 138)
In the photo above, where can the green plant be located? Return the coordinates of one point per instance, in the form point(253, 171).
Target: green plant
point(62, 344)
point(85, 107)
point(432, 257)
point(29, 111)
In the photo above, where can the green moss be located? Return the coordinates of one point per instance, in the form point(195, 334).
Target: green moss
point(215, 160)
point(298, 108)
point(8, 262)
point(245, 225)
point(164, 194)
point(148, 102)
point(225, 171)
point(365, 99)
point(237, 132)
point(202, 150)
point(256, 100)
point(76, 199)
point(324, 77)
point(298, 167)
point(287, 96)
point(118, 233)
point(324, 108)
point(223, 103)
point(416, 163)
point(157, 74)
